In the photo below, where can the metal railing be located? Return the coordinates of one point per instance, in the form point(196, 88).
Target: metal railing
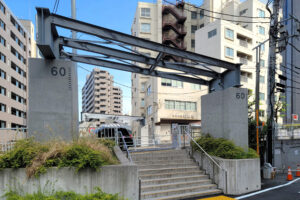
point(210, 158)
point(9, 136)
point(243, 43)
point(126, 148)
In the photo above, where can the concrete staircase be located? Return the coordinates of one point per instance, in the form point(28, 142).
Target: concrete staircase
point(171, 174)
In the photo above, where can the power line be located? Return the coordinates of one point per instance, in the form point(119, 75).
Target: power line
point(198, 7)
point(54, 7)
point(219, 18)
point(57, 6)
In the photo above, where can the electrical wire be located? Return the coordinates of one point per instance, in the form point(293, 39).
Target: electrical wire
point(220, 13)
point(219, 18)
point(54, 7)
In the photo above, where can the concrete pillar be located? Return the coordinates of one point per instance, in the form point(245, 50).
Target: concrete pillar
point(225, 114)
point(53, 99)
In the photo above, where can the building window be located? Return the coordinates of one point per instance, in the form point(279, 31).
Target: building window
point(18, 69)
point(143, 87)
point(229, 52)
point(2, 8)
point(18, 113)
point(261, 96)
point(180, 105)
point(261, 113)
point(2, 74)
point(171, 83)
point(262, 47)
point(201, 26)
point(145, 28)
point(2, 91)
point(195, 86)
point(243, 12)
point(261, 79)
point(18, 98)
point(2, 124)
point(149, 110)
point(194, 15)
point(2, 41)
point(229, 34)
point(145, 12)
point(149, 90)
point(193, 43)
point(261, 30)
point(261, 13)
point(201, 14)
point(2, 107)
point(193, 28)
point(212, 33)
point(2, 57)
point(142, 102)
point(262, 63)
point(2, 25)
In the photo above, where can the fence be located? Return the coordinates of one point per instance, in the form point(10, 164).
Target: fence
point(287, 131)
point(9, 136)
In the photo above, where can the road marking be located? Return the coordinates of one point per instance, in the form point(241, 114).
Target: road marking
point(266, 190)
point(218, 198)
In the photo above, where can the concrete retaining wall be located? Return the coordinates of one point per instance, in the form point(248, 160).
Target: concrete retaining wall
point(243, 175)
point(122, 179)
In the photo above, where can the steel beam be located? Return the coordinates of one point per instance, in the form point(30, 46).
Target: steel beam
point(109, 34)
point(115, 53)
point(135, 69)
point(227, 79)
point(159, 56)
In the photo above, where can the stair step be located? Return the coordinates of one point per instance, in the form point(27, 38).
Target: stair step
point(176, 191)
point(165, 162)
point(160, 158)
point(174, 180)
point(167, 170)
point(160, 154)
point(170, 175)
point(158, 166)
point(187, 195)
point(156, 187)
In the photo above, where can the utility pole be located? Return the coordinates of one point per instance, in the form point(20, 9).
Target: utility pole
point(257, 95)
point(73, 14)
point(271, 83)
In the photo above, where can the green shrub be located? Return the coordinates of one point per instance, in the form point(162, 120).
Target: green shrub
point(107, 142)
point(37, 157)
point(99, 195)
point(223, 148)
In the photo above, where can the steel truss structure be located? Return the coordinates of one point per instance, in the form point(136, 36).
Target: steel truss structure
point(195, 68)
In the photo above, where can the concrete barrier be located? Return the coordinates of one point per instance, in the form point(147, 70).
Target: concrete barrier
point(243, 175)
point(122, 179)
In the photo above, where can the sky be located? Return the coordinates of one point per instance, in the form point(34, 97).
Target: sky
point(113, 14)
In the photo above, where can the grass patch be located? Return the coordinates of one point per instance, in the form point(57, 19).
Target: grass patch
point(223, 148)
point(98, 195)
point(37, 157)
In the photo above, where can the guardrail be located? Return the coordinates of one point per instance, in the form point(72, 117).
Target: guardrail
point(210, 158)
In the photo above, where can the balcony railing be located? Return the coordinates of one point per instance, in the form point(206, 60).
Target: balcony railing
point(244, 79)
point(244, 61)
point(244, 43)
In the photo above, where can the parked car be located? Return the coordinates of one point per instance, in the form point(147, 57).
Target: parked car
point(116, 132)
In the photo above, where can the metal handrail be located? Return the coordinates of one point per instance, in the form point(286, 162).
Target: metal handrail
point(124, 143)
point(198, 145)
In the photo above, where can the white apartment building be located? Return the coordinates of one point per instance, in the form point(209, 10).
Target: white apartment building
point(164, 102)
point(16, 46)
point(99, 95)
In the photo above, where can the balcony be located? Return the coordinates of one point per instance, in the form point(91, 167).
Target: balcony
point(243, 43)
point(244, 61)
point(244, 79)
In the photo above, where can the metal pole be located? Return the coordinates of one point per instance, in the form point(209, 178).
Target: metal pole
point(271, 83)
point(257, 96)
point(73, 9)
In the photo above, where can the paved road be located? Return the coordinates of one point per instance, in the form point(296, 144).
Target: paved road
point(289, 192)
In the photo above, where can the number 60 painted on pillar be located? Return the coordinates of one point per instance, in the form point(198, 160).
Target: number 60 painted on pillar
point(58, 71)
point(240, 95)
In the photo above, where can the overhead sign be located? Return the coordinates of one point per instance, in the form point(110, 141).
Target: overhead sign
point(295, 117)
